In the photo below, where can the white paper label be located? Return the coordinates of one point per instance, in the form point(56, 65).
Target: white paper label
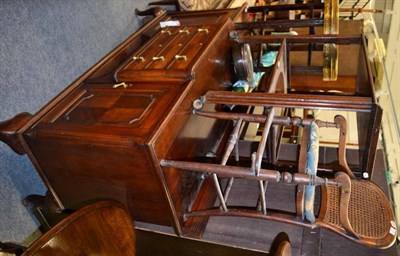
point(392, 231)
point(170, 23)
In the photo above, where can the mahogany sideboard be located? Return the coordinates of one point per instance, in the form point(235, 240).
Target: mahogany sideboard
point(98, 140)
point(105, 135)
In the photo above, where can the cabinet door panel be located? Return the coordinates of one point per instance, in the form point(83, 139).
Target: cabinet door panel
point(120, 108)
point(100, 110)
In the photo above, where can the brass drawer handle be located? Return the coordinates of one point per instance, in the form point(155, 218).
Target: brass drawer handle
point(138, 58)
point(182, 57)
point(166, 31)
point(120, 84)
point(160, 58)
point(184, 31)
point(203, 30)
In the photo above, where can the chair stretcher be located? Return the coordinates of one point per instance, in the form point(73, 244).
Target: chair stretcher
point(355, 209)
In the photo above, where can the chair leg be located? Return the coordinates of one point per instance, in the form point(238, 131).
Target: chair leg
point(12, 248)
point(35, 203)
point(44, 210)
point(167, 2)
point(154, 11)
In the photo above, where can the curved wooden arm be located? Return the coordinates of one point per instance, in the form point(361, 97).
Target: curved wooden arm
point(341, 121)
point(9, 131)
point(345, 183)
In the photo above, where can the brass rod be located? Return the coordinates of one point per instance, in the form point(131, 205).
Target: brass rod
point(219, 192)
point(263, 140)
point(232, 143)
point(263, 188)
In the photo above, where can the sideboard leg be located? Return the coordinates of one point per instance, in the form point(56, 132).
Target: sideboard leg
point(9, 131)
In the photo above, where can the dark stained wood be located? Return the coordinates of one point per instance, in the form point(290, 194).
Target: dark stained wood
point(303, 241)
point(286, 7)
point(154, 11)
point(103, 71)
point(311, 242)
point(279, 24)
point(167, 2)
point(152, 243)
point(94, 141)
point(195, 227)
point(96, 135)
point(9, 132)
point(104, 228)
point(307, 83)
point(337, 39)
point(365, 82)
point(362, 104)
point(369, 136)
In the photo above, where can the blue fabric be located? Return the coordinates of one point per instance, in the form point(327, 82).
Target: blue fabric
point(242, 84)
point(269, 58)
point(311, 169)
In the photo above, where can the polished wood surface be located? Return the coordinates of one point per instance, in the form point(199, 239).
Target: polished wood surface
point(103, 228)
point(173, 53)
point(9, 131)
point(106, 139)
point(108, 132)
point(106, 228)
point(162, 244)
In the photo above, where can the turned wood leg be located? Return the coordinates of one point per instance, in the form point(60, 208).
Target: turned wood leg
point(36, 204)
point(9, 131)
point(167, 2)
point(45, 210)
point(154, 11)
point(281, 245)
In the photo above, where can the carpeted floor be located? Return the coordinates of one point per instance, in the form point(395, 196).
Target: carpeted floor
point(44, 46)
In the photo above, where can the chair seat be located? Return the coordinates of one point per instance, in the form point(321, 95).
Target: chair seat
point(369, 214)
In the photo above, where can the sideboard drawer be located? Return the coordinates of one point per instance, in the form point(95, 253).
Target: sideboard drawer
point(169, 57)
